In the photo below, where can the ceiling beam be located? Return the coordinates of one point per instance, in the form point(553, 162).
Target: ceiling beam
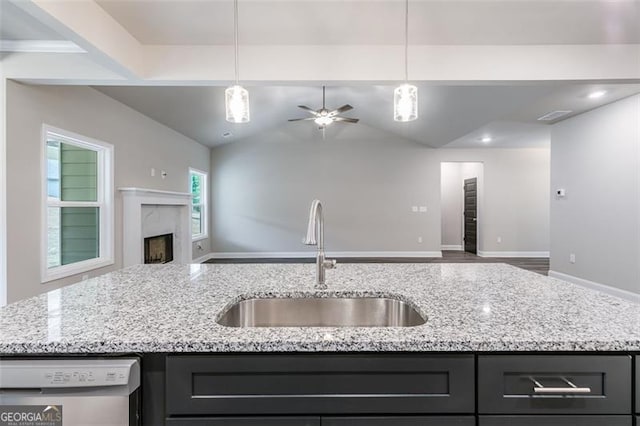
point(264, 64)
point(86, 24)
point(40, 46)
point(59, 68)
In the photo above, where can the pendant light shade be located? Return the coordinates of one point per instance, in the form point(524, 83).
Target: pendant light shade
point(405, 103)
point(236, 97)
point(405, 97)
point(237, 104)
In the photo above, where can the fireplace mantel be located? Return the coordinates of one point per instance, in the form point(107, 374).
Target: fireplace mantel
point(133, 201)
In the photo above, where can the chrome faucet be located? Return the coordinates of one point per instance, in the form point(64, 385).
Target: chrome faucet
point(315, 236)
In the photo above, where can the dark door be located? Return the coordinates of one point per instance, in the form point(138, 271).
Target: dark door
point(470, 215)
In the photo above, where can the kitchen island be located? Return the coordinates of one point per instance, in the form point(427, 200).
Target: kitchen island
point(174, 308)
point(500, 346)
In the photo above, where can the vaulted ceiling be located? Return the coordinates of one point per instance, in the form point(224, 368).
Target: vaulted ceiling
point(482, 66)
point(450, 116)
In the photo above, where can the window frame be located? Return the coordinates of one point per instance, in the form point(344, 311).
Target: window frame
point(204, 209)
point(104, 202)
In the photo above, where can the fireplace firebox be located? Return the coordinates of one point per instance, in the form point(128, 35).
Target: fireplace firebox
point(158, 249)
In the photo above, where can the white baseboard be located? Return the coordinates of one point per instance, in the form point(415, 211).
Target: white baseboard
point(310, 254)
point(453, 247)
point(612, 291)
point(202, 259)
point(513, 253)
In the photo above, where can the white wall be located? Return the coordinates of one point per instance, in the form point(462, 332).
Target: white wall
point(140, 144)
point(368, 181)
point(596, 157)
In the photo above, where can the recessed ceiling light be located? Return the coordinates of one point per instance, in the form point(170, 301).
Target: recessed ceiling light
point(486, 139)
point(227, 134)
point(597, 94)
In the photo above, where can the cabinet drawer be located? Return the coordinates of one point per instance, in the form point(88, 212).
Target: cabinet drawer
point(546, 384)
point(555, 421)
point(319, 384)
point(245, 421)
point(399, 421)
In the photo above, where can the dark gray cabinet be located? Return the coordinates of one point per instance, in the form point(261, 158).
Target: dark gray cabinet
point(555, 421)
point(638, 388)
point(391, 389)
point(399, 421)
point(554, 384)
point(282, 384)
point(246, 421)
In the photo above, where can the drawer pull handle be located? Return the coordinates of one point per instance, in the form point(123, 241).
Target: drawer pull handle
point(571, 389)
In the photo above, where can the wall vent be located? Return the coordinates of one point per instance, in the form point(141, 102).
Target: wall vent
point(554, 115)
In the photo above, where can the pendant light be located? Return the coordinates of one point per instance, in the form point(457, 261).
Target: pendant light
point(405, 96)
point(236, 97)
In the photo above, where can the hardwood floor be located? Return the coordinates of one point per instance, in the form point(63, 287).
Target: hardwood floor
point(538, 265)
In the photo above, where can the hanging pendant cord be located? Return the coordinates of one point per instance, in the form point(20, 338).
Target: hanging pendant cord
point(235, 36)
point(406, 41)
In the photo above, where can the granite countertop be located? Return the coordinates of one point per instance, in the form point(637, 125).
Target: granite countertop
point(173, 308)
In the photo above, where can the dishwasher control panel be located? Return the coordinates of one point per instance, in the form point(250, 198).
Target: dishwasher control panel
point(103, 376)
point(72, 373)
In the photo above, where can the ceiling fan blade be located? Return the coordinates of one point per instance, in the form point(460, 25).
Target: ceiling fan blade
point(343, 108)
point(306, 108)
point(346, 119)
point(301, 119)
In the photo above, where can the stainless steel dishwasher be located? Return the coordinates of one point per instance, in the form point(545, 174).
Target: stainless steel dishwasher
point(70, 392)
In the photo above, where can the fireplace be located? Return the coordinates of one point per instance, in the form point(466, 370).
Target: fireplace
point(158, 249)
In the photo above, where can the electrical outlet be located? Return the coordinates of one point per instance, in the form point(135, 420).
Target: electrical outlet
point(423, 209)
point(499, 240)
point(153, 172)
point(420, 240)
point(572, 258)
point(414, 209)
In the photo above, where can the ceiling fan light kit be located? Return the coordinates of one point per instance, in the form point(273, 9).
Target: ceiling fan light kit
point(405, 97)
point(236, 97)
point(323, 117)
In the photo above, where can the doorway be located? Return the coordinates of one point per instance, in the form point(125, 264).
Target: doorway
point(470, 214)
point(461, 186)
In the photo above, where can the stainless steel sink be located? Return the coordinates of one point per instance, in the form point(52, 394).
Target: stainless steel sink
point(321, 312)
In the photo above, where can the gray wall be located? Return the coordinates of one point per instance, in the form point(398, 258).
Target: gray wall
point(368, 181)
point(140, 143)
point(595, 157)
point(451, 204)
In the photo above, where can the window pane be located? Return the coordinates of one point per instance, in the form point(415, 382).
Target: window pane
point(53, 170)
point(53, 239)
point(79, 234)
point(196, 187)
point(196, 220)
point(78, 173)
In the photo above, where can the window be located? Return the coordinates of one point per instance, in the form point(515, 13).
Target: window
point(198, 181)
point(78, 204)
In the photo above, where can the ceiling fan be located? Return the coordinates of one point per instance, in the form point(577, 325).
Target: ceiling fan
point(323, 117)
